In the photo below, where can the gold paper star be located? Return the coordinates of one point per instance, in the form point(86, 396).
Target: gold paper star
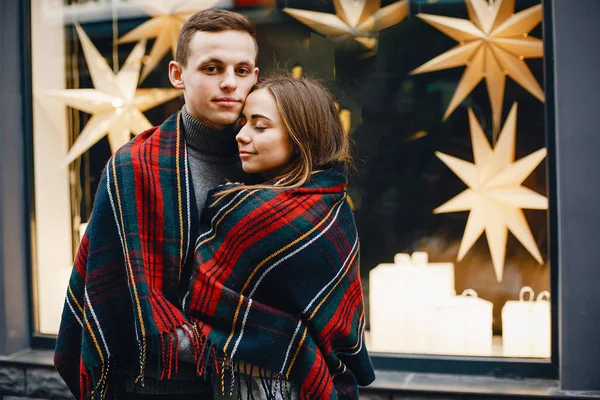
point(115, 104)
point(354, 20)
point(165, 24)
point(493, 43)
point(495, 196)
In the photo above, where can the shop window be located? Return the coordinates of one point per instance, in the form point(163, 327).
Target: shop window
point(444, 103)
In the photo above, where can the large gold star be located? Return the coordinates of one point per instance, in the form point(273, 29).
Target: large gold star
point(115, 103)
point(165, 24)
point(354, 20)
point(495, 196)
point(492, 44)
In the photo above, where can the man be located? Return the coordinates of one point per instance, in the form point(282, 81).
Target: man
point(122, 332)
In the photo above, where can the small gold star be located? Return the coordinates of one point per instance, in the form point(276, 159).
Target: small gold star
point(354, 20)
point(165, 25)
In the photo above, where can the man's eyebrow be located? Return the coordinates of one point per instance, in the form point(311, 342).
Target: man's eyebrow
point(219, 61)
point(211, 60)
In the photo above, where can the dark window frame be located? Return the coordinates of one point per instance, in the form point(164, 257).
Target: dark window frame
point(496, 366)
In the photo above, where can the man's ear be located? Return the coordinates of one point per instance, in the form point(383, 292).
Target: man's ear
point(255, 75)
point(175, 75)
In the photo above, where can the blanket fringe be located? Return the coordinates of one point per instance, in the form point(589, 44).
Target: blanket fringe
point(211, 365)
point(204, 353)
point(245, 385)
point(96, 384)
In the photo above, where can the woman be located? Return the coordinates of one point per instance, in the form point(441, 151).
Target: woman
point(275, 296)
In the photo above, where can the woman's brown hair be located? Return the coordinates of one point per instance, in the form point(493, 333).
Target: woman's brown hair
point(311, 120)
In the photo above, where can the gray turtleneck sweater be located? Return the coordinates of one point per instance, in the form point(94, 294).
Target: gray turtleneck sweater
point(212, 156)
point(213, 159)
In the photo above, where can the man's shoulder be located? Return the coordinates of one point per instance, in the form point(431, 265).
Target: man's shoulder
point(151, 137)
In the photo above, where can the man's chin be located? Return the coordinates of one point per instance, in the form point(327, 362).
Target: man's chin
point(227, 118)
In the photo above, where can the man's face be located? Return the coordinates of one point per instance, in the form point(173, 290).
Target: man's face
point(219, 74)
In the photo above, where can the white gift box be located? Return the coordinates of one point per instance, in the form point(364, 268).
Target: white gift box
point(526, 325)
point(399, 295)
point(461, 325)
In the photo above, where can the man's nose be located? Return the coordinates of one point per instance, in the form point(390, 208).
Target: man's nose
point(229, 81)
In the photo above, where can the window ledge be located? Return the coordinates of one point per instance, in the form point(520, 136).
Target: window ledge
point(34, 358)
point(405, 382)
point(400, 382)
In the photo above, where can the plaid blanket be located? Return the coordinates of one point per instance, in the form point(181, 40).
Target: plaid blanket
point(123, 300)
point(276, 283)
point(281, 264)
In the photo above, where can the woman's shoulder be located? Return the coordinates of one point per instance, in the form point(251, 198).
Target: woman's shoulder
point(225, 187)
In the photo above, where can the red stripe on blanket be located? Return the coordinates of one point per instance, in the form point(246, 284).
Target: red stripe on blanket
point(340, 325)
point(318, 384)
point(272, 215)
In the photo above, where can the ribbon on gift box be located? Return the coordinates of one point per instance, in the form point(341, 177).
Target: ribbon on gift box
point(431, 281)
point(526, 325)
point(398, 297)
point(461, 325)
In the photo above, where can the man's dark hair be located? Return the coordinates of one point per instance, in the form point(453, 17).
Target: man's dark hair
point(210, 20)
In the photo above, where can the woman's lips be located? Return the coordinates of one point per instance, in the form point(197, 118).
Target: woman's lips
point(244, 153)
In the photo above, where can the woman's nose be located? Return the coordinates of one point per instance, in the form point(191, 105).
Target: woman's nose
point(242, 136)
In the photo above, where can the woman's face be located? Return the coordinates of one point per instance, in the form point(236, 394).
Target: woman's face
point(263, 142)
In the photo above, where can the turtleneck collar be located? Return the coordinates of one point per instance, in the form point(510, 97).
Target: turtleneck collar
point(205, 139)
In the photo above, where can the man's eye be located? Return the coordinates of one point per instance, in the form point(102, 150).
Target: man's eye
point(211, 69)
point(243, 71)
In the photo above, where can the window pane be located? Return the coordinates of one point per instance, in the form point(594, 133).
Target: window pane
point(69, 153)
point(449, 189)
point(444, 104)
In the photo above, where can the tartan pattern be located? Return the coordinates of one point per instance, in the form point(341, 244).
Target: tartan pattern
point(276, 283)
point(303, 318)
point(122, 302)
